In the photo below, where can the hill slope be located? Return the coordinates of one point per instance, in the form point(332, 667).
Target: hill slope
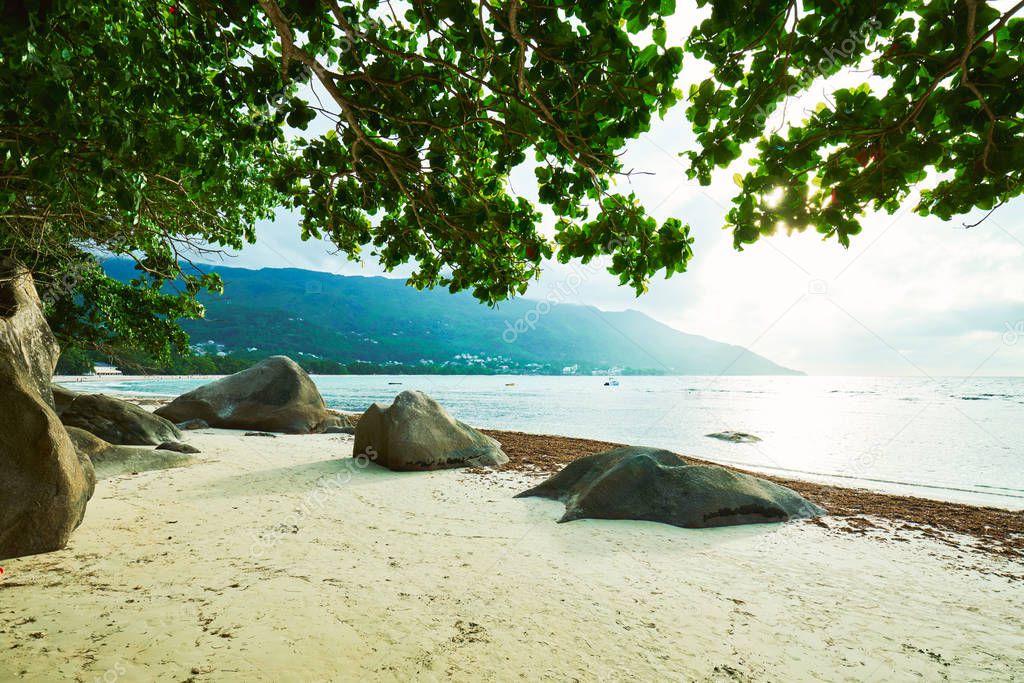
point(380, 320)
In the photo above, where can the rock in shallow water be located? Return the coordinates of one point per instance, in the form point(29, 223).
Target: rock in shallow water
point(416, 433)
point(275, 395)
point(658, 486)
point(734, 437)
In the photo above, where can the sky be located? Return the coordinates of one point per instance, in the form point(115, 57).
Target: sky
point(912, 296)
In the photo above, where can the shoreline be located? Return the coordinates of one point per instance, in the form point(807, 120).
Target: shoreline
point(924, 465)
point(978, 529)
point(86, 379)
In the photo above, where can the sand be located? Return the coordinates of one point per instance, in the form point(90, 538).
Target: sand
point(278, 559)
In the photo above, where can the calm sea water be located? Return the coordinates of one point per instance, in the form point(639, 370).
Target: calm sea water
point(949, 438)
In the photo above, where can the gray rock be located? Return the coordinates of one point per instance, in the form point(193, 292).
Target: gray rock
point(416, 433)
point(335, 421)
point(177, 447)
point(339, 430)
point(194, 423)
point(734, 437)
point(121, 460)
point(659, 486)
point(86, 443)
point(266, 434)
point(44, 483)
point(274, 395)
point(110, 460)
point(113, 420)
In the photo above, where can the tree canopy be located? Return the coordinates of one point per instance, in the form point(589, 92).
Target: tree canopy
point(116, 137)
point(147, 128)
point(941, 109)
point(162, 129)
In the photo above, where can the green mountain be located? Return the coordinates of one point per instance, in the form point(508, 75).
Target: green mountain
point(382, 321)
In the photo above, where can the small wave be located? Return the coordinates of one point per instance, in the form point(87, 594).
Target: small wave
point(986, 397)
point(911, 484)
point(727, 391)
point(1000, 488)
point(854, 392)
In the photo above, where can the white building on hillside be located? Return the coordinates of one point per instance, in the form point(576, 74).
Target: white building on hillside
point(106, 369)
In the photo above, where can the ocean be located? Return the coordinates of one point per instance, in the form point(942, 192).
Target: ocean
point(947, 438)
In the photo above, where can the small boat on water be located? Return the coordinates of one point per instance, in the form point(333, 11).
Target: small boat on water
point(611, 382)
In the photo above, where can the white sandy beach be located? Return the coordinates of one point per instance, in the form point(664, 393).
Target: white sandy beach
point(276, 559)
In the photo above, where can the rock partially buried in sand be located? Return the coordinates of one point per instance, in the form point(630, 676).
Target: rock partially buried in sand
point(177, 447)
point(340, 430)
point(734, 437)
point(416, 433)
point(113, 420)
point(336, 421)
point(194, 423)
point(87, 443)
point(44, 483)
point(659, 486)
point(134, 459)
point(110, 460)
point(266, 434)
point(275, 395)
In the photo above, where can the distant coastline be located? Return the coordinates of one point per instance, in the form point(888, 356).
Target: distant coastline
point(334, 324)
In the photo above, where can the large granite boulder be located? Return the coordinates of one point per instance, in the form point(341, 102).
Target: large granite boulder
point(113, 420)
point(657, 485)
point(110, 460)
point(25, 338)
point(44, 484)
point(86, 443)
point(275, 395)
point(416, 433)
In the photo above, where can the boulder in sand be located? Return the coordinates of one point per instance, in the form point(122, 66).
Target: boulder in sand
point(658, 486)
point(86, 443)
point(194, 423)
point(336, 420)
point(416, 433)
point(44, 484)
point(275, 395)
point(110, 460)
point(113, 420)
point(340, 430)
